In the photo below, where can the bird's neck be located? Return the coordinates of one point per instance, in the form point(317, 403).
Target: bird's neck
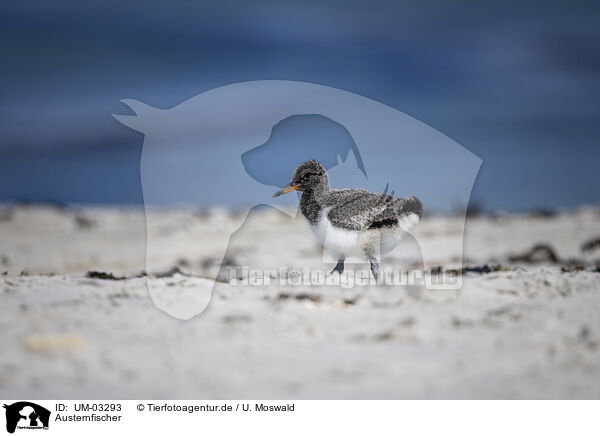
point(311, 202)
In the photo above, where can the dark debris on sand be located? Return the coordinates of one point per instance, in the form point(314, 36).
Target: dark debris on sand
point(485, 269)
point(590, 245)
point(7, 214)
point(170, 273)
point(539, 253)
point(543, 213)
point(103, 275)
point(479, 269)
point(300, 297)
point(84, 223)
point(544, 253)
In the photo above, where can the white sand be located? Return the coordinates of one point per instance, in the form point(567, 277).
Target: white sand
point(532, 331)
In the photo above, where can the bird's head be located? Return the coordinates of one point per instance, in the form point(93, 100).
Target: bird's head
point(307, 176)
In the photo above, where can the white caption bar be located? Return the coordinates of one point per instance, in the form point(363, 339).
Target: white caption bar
point(229, 417)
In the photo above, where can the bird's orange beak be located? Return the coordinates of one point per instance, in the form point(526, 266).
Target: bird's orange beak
point(286, 189)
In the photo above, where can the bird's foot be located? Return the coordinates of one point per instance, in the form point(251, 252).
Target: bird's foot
point(339, 268)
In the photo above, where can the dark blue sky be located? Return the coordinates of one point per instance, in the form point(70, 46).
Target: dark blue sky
point(517, 83)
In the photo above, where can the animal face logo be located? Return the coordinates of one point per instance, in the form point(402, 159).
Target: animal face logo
point(237, 144)
point(297, 139)
point(26, 415)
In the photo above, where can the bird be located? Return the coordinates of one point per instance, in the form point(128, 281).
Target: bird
point(351, 222)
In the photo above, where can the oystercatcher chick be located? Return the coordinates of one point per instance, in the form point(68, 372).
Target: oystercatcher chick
point(351, 222)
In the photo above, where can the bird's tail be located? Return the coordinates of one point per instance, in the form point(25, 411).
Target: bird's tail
point(408, 207)
point(410, 211)
point(411, 205)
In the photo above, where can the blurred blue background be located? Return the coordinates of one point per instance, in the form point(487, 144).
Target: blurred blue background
point(517, 83)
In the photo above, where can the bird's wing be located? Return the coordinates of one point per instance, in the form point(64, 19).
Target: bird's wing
point(360, 209)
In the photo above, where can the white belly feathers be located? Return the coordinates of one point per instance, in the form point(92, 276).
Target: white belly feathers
point(353, 242)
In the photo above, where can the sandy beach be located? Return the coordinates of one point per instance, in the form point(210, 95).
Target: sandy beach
point(77, 320)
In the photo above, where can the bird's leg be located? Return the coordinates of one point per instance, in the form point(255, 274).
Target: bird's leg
point(339, 268)
point(375, 269)
point(370, 254)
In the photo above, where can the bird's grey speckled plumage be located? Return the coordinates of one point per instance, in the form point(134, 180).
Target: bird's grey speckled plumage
point(359, 209)
point(353, 210)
